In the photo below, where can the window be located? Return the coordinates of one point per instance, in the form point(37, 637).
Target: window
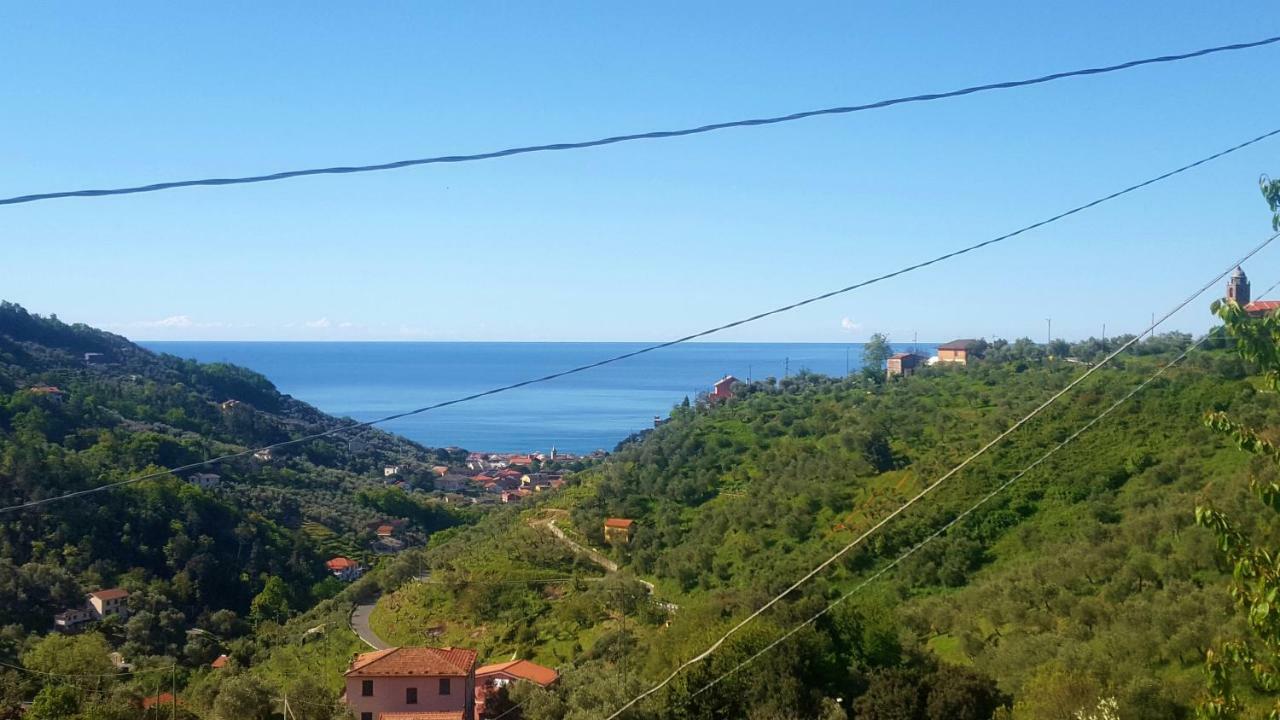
point(411, 696)
point(444, 686)
point(366, 716)
point(366, 688)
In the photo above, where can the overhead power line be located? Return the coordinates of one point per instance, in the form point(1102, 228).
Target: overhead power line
point(651, 135)
point(935, 484)
point(650, 348)
point(959, 518)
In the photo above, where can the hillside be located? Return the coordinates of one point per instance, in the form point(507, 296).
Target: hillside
point(1087, 580)
point(81, 408)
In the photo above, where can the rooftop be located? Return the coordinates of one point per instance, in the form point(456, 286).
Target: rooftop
point(618, 522)
point(110, 594)
point(522, 669)
point(414, 662)
point(958, 344)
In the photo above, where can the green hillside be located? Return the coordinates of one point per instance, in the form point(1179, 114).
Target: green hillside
point(1087, 580)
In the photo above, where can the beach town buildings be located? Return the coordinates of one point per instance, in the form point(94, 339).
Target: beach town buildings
point(426, 682)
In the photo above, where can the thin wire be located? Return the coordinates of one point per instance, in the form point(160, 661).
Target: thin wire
point(935, 484)
point(650, 348)
point(985, 499)
point(654, 135)
point(19, 668)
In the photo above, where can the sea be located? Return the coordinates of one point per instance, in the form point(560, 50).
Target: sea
point(580, 413)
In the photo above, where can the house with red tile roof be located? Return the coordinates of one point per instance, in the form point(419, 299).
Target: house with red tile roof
point(219, 662)
point(616, 529)
point(723, 388)
point(491, 678)
point(161, 700)
point(110, 602)
point(411, 683)
point(344, 569)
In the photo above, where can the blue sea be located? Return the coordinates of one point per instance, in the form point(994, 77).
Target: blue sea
point(580, 413)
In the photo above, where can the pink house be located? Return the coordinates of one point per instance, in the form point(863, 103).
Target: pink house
point(412, 682)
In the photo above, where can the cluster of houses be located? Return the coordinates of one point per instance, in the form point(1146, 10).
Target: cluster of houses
point(431, 683)
point(505, 477)
point(99, 605)
point(956, 351)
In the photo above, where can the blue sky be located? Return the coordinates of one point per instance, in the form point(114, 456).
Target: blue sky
point(642, 241)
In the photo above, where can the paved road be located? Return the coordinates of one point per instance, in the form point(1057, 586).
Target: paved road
point(360, 625)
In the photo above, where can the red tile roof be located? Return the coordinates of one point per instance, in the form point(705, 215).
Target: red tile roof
point(385, 530)
point(618, 522)
point(110, 594)
point(520, 669)
point(1263, 306)
point(163, 700)
point(432, 715)
point(339, 564)
point(414, 662)
point(221, 662)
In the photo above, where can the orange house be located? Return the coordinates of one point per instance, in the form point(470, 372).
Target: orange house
point(618, 529)
point(956, 351)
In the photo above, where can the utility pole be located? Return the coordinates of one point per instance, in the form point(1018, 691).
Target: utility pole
point(786, 367)
point(915, 337)
point(1048, 334)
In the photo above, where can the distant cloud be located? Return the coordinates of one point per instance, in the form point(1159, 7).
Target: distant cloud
point(173, 321)
point(850, 325)
point(319, 324)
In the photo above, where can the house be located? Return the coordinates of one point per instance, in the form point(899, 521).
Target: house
point(112, 601)
point(49, 391)
point(219, 662)
point(390, 471)
point(94, 358)
point(903, 364)
point(956, 351)
point(440, 470)
point(521, 460)
point(231, 405)
point(344, 569)
point(513, 495)
point(264, 455)
point(723, 388)
point(164, 700)
point(412, 682)
point(385, 531)
point(205, 481)
point(618, 529)
point(491, 678)
point(69, 621)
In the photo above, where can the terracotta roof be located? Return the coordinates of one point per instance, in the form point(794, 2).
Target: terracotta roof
point(433, 715)
point(618, 522)
point(522, 669)
point(110, 594)
point(221, 662)
point(958, 345)
point(414, 662)
point(163, 699)
point(340, 563)
point(1262, 306)
point(385, 530)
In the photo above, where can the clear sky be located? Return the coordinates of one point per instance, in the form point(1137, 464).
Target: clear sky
point(641, 241)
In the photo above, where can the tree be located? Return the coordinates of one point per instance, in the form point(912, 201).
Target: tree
point(1271, 191)
point(876, 352)
point(54, 702)
point(1255, 582)
point(86, 654)
point(272, 603)
point(242, 697)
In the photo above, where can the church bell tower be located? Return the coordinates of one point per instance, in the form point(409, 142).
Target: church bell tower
point(1238, 288)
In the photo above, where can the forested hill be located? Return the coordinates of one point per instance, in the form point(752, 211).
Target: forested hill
point(190, 556)
point(1086, 582)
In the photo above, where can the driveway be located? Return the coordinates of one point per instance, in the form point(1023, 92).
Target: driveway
point(360, 626)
